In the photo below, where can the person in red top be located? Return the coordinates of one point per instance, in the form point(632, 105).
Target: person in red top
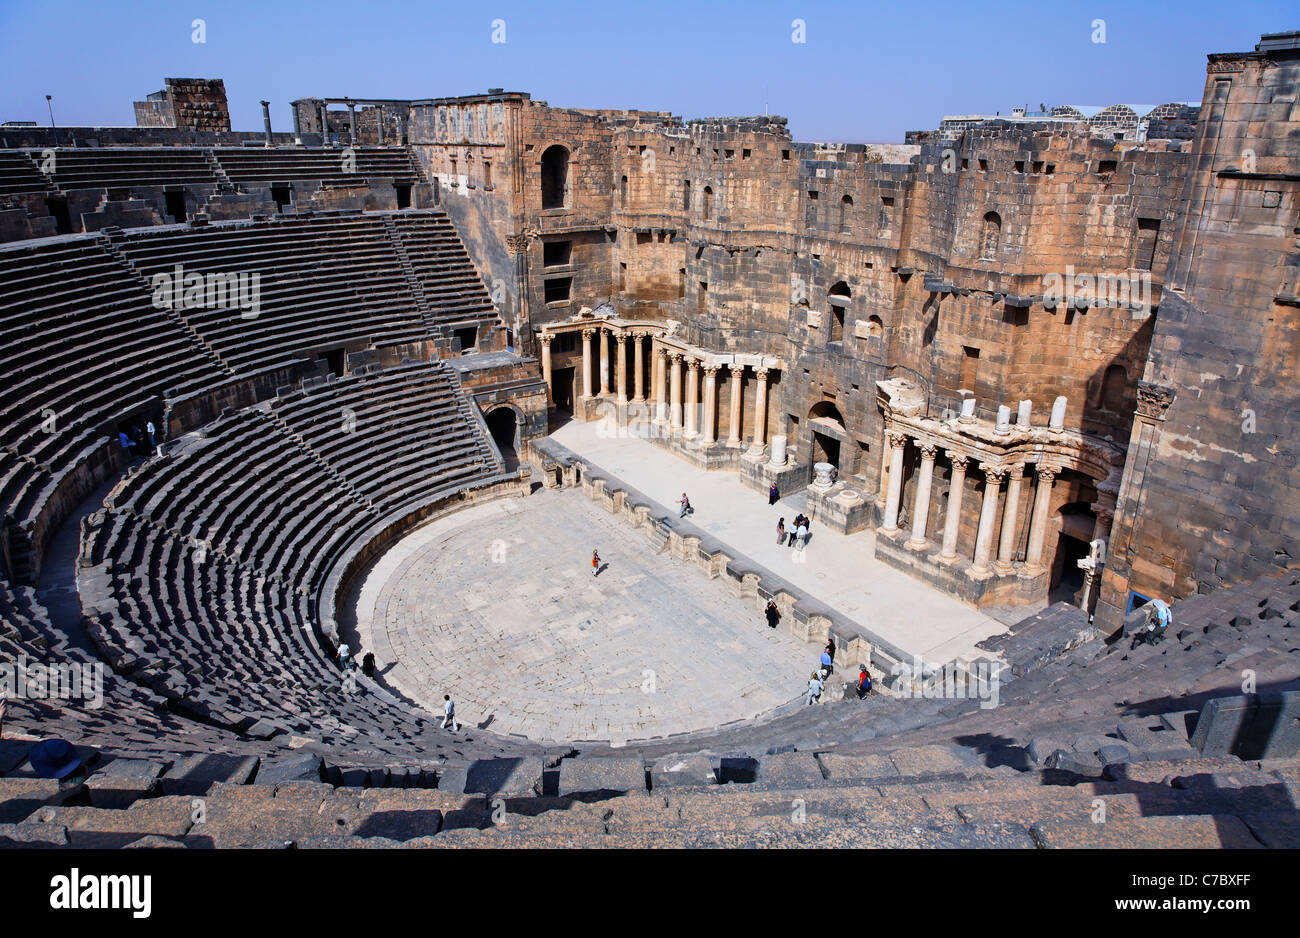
point(864, 682)
point(595, 563)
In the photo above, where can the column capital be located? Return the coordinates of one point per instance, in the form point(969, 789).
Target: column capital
point(693, 364)
point(620, 338)
point(1016, 471)
point(675, 356)
point(710, 369)
point(735, 368)
point(959, 460)
point(661, 352)
point(761, 373)
point(995, 474)
point(639, 333)
point(545, 337)
point(588, 333)
point(897, 438)
point(1048, 474)
point(928, 450)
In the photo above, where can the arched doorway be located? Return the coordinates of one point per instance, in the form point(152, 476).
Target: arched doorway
point(1075, 522)
point(826, 424)
point(555, 177)
point(503, 424)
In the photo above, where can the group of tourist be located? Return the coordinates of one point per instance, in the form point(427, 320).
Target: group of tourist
point(348, 662)
point(817, 680)
point(134, 442)
point(797, 532)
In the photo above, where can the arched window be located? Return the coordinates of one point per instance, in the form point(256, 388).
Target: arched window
point(846, 209)
point(838, 297)
point(555, 177)
point(708, 202)
point(1114, 389)
point(875, 328)
point(990, 235)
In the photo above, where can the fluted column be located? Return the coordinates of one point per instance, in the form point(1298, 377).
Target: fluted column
point(921, 506)
point(710, 404)
point(735, 373)
point(621, 366)
point(1038, 520)
point(897, 443)
point(661, 384)
point(676, 408)
point(1010, 514)
point(993, 476)
point(545, 338)
point(692, 399)
point(604, 361)
point(760, 412)
point(638, 367)
point(587, 383)
point(952, 523)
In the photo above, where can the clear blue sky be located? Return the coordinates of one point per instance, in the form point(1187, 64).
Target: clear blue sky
point(868, 71)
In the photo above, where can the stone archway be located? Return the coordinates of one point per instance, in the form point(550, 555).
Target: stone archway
point(827, 435)
point(504, 425)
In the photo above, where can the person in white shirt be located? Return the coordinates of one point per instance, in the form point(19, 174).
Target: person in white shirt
point(449, 714)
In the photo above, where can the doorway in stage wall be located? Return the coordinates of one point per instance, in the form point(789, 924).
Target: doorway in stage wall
point(563, 390)
point(1076, 523)
point(826, 426)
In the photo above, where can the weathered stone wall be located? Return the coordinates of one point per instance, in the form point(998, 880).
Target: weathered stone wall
point(1211, 492)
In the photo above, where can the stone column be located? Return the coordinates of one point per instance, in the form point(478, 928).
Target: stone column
point(760, 412)
point(661, 384)
point(675, 411)
point(897, 443)
point(921, 506)
point(1038, 520)
point(545, 338)
point(638, 367)
point(692, 399)
point(952, 523)
point(1010, 515)
point(993, 476)
point(266, 120)
point(380, 123)
point(736, 373)
point(710, 404)
point(324, 124)
point(621, 367)
point(587, 383)
point(352, 123)
point(882, 495)
point(604, 361)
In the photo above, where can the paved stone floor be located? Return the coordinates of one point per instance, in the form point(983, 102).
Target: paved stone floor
point(840, 570)
point(497, 606)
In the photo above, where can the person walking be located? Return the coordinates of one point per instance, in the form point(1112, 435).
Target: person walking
point(773, 494)
point(686, 506)
point(828, 665)
point(345, 655)
point(150, 429)
point(780, 532)
point(595, 563)
point(773, 614)
point(449, 714)
point(814, 690)
point(803, 535)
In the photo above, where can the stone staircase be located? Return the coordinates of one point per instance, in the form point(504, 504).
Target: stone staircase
point(916, 797)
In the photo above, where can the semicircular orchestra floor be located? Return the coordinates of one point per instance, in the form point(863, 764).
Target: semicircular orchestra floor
point(497, 606)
